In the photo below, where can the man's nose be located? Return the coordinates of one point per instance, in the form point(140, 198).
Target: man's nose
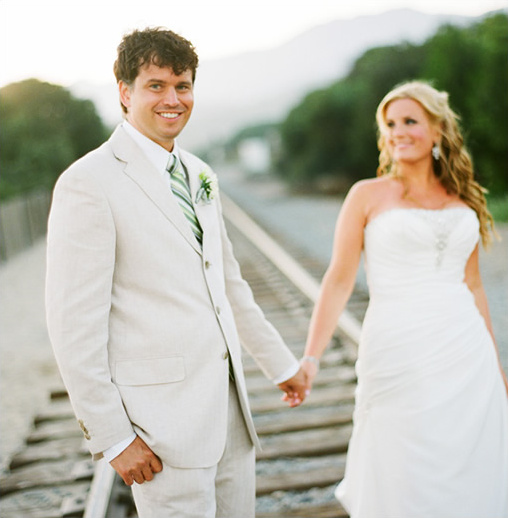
point(171, 97)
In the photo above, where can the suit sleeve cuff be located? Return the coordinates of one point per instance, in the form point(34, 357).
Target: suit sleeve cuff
point(118, 448)
point(288, 373)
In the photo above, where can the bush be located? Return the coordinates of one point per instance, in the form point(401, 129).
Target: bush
point(44, 129)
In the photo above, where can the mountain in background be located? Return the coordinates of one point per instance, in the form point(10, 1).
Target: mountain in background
point(262, 86)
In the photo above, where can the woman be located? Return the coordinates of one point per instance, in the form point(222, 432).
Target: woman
point(430, 435)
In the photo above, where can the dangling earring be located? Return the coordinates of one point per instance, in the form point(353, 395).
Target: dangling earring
point(436, 153)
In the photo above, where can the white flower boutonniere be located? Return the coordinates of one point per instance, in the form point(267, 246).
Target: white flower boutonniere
point(209, 187)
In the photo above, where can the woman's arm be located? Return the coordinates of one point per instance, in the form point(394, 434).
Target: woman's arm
point(474, 283)
point(339, 279)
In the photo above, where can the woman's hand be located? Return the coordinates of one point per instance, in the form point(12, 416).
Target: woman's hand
point(310, 366)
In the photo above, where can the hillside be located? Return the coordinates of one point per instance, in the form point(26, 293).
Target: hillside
point(262, 86)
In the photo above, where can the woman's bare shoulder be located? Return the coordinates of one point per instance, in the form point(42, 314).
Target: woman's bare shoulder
point(374, 187)
point(374, 195)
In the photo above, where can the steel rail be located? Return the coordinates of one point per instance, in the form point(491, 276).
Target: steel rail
point(294, 272)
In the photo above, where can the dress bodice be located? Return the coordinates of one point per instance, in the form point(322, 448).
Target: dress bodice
point(411, 248)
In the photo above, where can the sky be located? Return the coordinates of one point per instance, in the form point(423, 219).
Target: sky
point(69, 42)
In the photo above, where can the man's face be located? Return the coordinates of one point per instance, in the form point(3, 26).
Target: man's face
point(159, 103)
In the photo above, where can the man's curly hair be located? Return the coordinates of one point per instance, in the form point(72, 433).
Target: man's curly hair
point(157, 46)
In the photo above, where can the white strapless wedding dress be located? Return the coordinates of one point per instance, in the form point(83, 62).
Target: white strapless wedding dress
point(430, 437)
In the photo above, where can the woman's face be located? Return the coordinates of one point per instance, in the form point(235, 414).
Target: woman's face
point(409, 132)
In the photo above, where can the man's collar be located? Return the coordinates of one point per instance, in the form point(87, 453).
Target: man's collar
point(157, 155)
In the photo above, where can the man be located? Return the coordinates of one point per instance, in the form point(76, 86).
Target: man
point(146, 305)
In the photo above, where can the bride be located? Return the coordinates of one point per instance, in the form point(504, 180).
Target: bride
point(430, 435)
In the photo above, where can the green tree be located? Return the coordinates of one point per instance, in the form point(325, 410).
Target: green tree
point(471, 65)
point(375, 73)
point(315, 146)
point(44, 128)
point(333, 130)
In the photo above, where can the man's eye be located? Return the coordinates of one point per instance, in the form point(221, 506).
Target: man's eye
point(155, 87)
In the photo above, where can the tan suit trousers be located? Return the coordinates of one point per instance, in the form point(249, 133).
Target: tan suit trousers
point(226, 490)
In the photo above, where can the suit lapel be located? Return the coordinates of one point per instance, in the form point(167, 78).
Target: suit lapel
point(142, 172)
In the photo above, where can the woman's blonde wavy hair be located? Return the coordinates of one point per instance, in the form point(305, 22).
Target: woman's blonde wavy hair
point(454, 168)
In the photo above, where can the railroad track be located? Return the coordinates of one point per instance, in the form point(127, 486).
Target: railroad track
point(303, 449)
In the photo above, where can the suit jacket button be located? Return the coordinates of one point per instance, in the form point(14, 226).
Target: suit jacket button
point(207, 265)
point(84, 430)
point(217, 310)
point(225, 356)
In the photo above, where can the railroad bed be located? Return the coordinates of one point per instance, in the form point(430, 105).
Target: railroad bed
point(303, 449)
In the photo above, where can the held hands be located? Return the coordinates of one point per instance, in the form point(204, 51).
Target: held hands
point(310, 365)
point(137, 463)
point(295, 388)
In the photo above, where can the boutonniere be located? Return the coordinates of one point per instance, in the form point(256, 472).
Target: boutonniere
point(209, 187)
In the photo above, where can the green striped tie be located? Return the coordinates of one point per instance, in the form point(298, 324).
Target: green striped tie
point(182, 192)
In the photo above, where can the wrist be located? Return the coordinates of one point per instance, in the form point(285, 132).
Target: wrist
point(310, 359)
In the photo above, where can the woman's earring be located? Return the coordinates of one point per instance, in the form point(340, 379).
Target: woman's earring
point(436, 153)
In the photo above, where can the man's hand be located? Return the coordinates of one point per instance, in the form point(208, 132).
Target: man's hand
point(295, 389)
point(137, 463)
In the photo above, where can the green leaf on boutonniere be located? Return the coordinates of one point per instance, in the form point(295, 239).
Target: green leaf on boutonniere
point(208, 188)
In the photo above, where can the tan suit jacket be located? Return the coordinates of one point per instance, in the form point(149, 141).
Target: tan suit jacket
point(141, 319)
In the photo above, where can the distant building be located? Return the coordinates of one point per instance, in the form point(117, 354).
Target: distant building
point(254, 154)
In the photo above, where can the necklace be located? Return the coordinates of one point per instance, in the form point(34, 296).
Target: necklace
point(422, 206)
point(432, 190)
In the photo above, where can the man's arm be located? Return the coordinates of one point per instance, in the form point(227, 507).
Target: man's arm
point(258, 336)
point(80, 266)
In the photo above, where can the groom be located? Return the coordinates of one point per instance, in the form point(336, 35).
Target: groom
point(146, 306)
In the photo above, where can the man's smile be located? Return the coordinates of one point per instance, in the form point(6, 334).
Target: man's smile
point(169, 115)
